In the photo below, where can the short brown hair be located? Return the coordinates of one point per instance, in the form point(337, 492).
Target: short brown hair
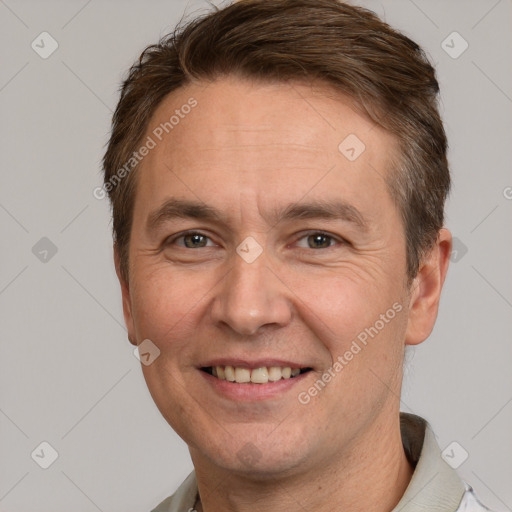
point(384, 72)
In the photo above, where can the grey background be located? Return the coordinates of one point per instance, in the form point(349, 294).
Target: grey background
point(68, 375)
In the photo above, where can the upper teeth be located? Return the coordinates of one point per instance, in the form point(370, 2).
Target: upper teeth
point(257, 375)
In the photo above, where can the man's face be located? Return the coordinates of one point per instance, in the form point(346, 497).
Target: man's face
point(267, 159)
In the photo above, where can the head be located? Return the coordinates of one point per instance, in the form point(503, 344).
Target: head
point(299, 145)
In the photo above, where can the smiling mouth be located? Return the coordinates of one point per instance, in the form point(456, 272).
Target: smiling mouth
point(262, 375)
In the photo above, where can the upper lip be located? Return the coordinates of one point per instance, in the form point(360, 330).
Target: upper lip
point(252, 364)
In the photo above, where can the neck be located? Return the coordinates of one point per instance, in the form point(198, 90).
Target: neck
point(371, 476)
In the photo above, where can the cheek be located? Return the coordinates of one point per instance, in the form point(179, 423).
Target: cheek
point(361, 325)
point(366, 358)
point(164, 305)
point(341, 307)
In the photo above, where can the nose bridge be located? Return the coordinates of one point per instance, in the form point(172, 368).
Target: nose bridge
point(251, 296)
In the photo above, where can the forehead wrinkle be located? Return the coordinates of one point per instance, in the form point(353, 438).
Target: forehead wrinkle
point(263, 145)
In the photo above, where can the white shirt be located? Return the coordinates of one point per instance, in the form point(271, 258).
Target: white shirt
point(434, 486)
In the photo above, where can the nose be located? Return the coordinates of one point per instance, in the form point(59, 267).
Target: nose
point(251, 296)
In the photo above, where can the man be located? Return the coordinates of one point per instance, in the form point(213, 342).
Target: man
point(278, 175)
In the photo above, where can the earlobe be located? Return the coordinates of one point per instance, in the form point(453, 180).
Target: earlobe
point(125, 292)
point(426, 289)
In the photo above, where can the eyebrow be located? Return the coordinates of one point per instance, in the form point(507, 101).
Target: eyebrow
point(186, 209)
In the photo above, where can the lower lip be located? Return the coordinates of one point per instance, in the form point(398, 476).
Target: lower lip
point(248, 392)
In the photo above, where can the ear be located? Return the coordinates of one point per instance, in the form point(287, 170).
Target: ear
point(127, 304)
point(425, 291)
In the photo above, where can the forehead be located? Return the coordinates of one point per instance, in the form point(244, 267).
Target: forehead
point(249, 111)
point(261, 140)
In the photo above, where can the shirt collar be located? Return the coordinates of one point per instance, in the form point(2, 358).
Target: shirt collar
point(434, 486)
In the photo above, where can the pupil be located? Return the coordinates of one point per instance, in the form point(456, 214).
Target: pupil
point(318, 238)
point(194, 239)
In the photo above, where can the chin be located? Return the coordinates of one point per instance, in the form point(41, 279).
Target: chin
point(261, 457)
point(267, 467)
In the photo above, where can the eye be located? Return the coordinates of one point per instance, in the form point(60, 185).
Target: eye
point(191, 240)
point(198, 240)
point(319, 240)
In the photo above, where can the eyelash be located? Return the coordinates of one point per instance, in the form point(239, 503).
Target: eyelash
point(172, 240)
